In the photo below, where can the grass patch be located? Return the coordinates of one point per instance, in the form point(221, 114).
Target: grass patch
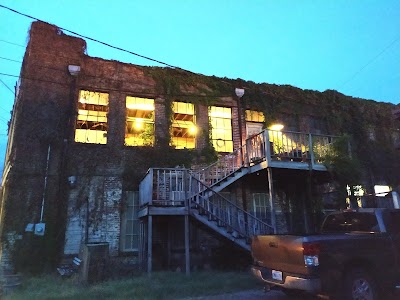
point(161, 285)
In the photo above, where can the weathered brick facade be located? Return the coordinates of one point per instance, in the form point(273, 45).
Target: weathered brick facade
point(42, 153)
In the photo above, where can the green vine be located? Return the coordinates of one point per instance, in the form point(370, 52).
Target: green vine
point(344, 168)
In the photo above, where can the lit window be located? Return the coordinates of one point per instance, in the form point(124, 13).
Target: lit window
point(221, 128)
point(254, 122)
point(130, 223)
point(91, 123)
point(139, 121)
point(254, 116)
point(183, 126)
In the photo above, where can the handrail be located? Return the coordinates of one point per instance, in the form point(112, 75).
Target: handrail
point(268, 145)
point(225, 212)
point(222, 168)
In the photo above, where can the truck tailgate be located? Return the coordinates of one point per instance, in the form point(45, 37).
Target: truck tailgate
point(279, 252)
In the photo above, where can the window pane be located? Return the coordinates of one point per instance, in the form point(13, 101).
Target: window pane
point(254, 116)
point(128, 242)
point(130, 223)
point(91, 122)
point(183, 127)
point(221, 128)
point(139, 129)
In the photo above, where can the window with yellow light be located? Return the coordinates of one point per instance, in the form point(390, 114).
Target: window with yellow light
point(139, 129)
point(254, 122)
point(183, 127)
point(221, 128)
point(91, 122)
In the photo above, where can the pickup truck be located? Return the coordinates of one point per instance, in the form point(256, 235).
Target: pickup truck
point(356, 255)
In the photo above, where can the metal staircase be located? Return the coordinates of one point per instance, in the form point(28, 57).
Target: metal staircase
point(209, 207)
point(179, 191)
point(223, 216)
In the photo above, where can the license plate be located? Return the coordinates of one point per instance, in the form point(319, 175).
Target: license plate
point(277, 275)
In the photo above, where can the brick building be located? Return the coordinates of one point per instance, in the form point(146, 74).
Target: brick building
point(101, 152)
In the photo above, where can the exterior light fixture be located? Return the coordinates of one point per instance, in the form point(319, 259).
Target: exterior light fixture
point(382, 190)
point(72, 181)
point(239, 92)
point(74, 70)
point(276, 127)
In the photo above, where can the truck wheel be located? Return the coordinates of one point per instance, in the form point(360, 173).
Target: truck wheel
point(359, 285)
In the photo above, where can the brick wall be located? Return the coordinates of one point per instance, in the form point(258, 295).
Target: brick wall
point(94, 210)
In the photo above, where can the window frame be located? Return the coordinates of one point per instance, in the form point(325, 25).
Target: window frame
point(131, 200)
point(190, 124)
point(221, 130)
point(92, 114)
point(146, 119)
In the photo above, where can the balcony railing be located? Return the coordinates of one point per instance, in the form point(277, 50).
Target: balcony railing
point(286, 146)
point(172, 187)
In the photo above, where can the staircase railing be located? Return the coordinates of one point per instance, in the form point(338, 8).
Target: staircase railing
point(225, 212)
point(222, 168)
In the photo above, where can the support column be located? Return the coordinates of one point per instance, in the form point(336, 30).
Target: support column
point(149, 243)
point(308, 203)
point(271, 199)
point(187, 250)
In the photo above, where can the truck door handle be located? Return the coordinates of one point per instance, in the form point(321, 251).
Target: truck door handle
point(273, 245)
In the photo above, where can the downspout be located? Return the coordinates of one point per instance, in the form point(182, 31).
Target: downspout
point(87, 221)
point(45, 182)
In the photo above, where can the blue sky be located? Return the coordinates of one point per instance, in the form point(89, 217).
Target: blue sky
point(350, 46)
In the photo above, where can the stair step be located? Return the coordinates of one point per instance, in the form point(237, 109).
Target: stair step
point(220, 224)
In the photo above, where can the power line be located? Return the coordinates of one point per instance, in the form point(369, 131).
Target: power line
point(108, 45)
point(9, 59)
point(7, 86)
point(97, 41)
point(3, 41)
point(370, 61)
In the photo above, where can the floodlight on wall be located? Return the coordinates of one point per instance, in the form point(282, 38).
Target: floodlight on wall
point(74, 70)
point(72, 181)
point(239, 92)
point(276, 127)
point(382, 190)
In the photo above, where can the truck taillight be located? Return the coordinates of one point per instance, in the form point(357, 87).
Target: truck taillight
point(311, 254)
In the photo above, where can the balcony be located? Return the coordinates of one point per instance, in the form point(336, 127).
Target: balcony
point(171, 187)
point(286, 149)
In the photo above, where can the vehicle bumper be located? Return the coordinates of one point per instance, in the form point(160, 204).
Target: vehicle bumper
point(311, 285)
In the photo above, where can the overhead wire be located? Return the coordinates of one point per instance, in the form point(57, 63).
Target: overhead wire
point(96, 40)
point(152, 59)
point(4, 41)
point(370, 61)
point(115, 47)
point(166, 64)
point(7, 87)
point(9, 59)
